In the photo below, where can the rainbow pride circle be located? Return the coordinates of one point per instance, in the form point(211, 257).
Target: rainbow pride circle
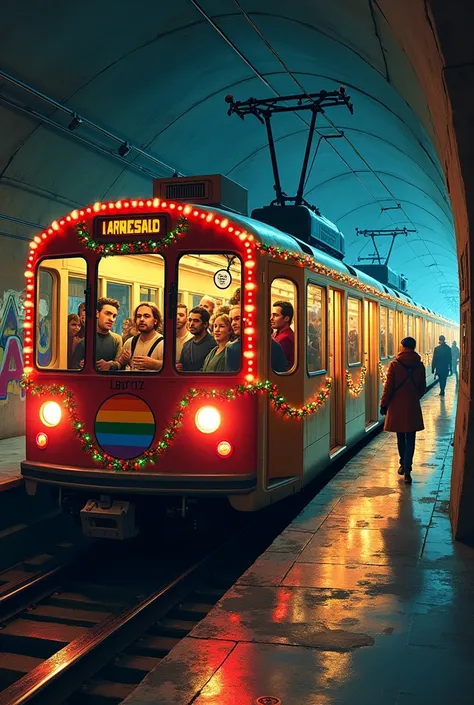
point(124, 426)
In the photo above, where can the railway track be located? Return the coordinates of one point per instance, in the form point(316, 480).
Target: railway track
point(70, 638)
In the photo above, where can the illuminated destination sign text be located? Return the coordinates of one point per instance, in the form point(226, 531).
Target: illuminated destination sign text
point(130, 225)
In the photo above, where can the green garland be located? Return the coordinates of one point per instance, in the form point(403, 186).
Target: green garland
point(105, 249)
point(152, 455)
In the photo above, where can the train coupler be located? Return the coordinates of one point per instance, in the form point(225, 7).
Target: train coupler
point(107, 519)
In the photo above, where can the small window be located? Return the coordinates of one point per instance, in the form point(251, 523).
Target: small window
point(316, 329)
point(383, 332)
point(209, 339)
point(122, 293)
point(59, 326)
point(147, 293)
point(354, 308)
point(76, 293)
point(391, 332)
point(404, 325)
point(283, 322)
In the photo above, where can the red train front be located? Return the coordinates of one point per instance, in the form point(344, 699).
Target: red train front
point(121, 435)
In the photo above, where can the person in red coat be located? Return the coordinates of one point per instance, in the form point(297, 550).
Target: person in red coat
point(400, 403)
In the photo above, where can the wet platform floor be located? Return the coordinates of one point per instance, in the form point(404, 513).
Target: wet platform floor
point(363, 600)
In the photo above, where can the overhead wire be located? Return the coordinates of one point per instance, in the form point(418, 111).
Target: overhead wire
point(343, 135)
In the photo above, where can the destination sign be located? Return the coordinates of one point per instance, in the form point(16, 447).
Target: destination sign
point(130, 225)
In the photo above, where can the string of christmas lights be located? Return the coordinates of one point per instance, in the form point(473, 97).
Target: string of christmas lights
point(106, 249)
point(185, 213)
point(382, 372)
point(153, 454)
point(356, 388)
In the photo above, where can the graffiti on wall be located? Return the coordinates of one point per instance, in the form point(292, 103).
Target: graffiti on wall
point(11, 345)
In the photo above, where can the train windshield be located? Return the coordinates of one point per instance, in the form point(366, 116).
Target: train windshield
point(60, 311)
point(130, 315)
point(208, 321)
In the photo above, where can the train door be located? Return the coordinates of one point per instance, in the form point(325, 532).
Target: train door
point(285, 438)
point(336, 334)
point(371, 347)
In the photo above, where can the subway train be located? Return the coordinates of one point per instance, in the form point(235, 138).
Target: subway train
point(118, 445)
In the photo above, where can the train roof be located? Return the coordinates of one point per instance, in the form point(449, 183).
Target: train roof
point(272, 237)
point(266, 235)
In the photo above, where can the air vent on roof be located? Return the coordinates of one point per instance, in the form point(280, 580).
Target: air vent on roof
point(305, 225)
point(213, 190)
point(186, 192)
point(385, 275)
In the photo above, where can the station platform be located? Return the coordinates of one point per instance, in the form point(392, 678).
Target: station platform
point(12, 452)
point(363, 600)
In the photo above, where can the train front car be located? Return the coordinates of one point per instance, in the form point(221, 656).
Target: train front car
point(122, 436)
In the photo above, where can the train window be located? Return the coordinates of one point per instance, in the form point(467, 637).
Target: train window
point(354, 308)
point(209, 340)
point(316, 329)
point(429, 325)
point(391, 332)
point(129, 332)
point(283, 322)
point(404, 325)
point(121, 293)
point(76, 288)
point(383, 332)
point(59, 318)
point(147, 293)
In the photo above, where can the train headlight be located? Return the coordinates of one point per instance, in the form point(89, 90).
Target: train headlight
point(207, 419)
point(224, 449)
point(50, 413)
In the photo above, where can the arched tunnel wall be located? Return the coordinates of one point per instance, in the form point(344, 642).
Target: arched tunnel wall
point(435, 38)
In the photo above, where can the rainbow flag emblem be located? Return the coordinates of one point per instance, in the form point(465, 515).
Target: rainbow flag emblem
point(124, 426)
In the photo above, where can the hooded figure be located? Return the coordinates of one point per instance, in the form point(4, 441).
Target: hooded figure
point(404, 387)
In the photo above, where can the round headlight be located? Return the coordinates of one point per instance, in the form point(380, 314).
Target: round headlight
point(207, 419)
point(50, 413)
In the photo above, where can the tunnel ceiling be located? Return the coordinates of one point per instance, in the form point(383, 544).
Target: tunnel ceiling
point(155, 73)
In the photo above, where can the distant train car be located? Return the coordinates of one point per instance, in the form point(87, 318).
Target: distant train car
point(117, 440)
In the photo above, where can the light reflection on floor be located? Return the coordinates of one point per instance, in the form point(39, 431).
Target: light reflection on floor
point(362, 600)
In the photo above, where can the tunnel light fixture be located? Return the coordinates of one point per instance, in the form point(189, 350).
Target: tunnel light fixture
point(124, 149)
point(75, 122)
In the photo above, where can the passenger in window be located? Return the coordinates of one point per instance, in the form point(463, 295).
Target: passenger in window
point(108, 345)
point(208, 303)
point(234, 350)
point(280, 320)
point(81, 312)
point(235, 300)
point(127, 329)
point(144, 351)
point(182, 332)
point(73, 328)
point(216, 359)
point(383, 352)
point(195, 351)
point(353, 340)
point(314, 340)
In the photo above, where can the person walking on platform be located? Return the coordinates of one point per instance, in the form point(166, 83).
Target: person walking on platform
point(455, 361)
point(441, 364)
point(400, 403)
